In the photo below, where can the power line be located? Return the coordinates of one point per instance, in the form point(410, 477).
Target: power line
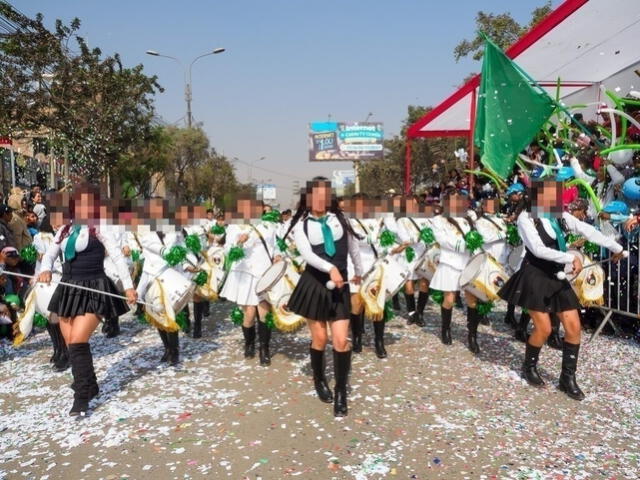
point(275, 172)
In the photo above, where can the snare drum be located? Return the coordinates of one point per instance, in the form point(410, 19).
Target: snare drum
point(393, 273)
point(483, 277)
point(589, 284)
point(427, 268)
point(275, 287)
point(169, 293)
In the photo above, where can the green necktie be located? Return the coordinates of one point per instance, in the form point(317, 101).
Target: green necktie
point(562, 243)
point(70, 248)
point(327, 236)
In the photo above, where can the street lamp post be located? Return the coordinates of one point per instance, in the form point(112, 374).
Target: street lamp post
point(187, 76)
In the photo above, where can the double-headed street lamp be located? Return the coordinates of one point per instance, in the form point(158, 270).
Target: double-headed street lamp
point(187, 76)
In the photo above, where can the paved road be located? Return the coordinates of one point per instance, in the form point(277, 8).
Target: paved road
point(426, 412)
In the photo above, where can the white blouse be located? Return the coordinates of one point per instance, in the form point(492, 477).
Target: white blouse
point(314, 230)
point(111, 246)
point(533, 242)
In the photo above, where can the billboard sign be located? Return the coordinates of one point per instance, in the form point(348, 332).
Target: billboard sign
point(345, 142)
point(267, 192)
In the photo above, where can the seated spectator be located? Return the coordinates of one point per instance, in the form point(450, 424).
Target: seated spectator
point(32, 223)
point(38, 207)
point(6, 234)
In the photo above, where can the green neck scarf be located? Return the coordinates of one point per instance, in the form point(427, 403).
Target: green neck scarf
point(327, 235)
point(70, 247)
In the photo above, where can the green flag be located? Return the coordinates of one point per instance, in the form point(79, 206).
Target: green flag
point(510, 111)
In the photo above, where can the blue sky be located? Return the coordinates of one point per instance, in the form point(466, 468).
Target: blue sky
point(287, 63)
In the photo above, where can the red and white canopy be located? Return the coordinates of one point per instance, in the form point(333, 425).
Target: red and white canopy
point(584, 43)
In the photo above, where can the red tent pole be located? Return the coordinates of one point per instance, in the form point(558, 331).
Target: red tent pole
point(407, 168)
point(472, 131)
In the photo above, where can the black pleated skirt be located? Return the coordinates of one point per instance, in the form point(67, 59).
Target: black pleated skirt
point(534, 289)
point(314, 301)
point(71, 302)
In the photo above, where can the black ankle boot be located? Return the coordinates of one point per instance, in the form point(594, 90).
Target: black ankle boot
point(395, 301)
point(418, 317)
point(111, 327)
point(249, 341)
point(187, 329)
point(411, 307)
point(357, 327)
point(165, 344)
point(445, 335)
point(319, 378)
point(84, 385)
point(472, 327)
point(510, 318)
point(173, 340)
point(264, 337)
point(61, 363)
point(378, 329)
point(197, 319)
point(530, 366)
point(568, 382)
point(341, 367)
point(521, 333)
point(554, 341)
point(54, 342)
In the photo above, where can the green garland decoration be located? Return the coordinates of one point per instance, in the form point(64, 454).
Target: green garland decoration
point(39, 320)
point(142, 318)
point(201, 278)
point(237, 316)
point(571, 238)
point(29, 254)
point(175, 255)
point(513, 237)
point(282, 245)
point(437, 296)
point(427, 236)
point(484, 308)
point(269, 321)
point(388, 314)
point(135, 255)
point(181, 320)
point(410, 254)
point(387, 238)
point(235, 254)
point(272, 216)
point(473, 240)
point(193, 243)
point(218, 230)
point(12, 299)
point(591, 248)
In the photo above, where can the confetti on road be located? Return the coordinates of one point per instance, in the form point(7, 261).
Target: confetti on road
point(426, 412)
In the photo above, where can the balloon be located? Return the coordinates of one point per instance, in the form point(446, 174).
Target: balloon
point(616, 206)
point(621, 157)
point(631, 188)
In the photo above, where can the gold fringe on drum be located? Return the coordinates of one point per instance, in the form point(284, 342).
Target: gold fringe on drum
point(166, 320)
point(373, 294)
point(24, 324)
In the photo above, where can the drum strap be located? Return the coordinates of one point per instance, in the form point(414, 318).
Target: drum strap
point(264, 243)
point(375, 252)
point(492, 222)
point(453, 222)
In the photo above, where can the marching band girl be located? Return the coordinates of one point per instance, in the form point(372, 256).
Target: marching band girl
point(42, 241)
point(258, 242)
point(450, 230)
point(83, 248)
point(368, 230)
point(325, 239)
point(536, 287)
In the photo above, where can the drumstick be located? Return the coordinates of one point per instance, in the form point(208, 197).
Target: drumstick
point(121, 297)
point(563, 275)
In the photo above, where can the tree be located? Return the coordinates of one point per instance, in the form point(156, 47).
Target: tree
point(214, 179)
point(189, 151)
point(502, 29)
point(143, 166)
point(89, 106)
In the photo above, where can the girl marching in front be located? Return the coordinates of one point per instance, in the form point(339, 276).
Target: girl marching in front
point(83, 248)
point(325, 239)
point(536, 286)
